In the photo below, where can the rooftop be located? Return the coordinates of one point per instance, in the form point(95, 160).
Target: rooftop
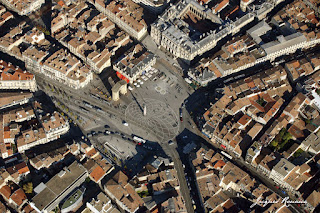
point(14, 98)
point(9, 72)
point(56, 185)
point(72, 199)
point(283, 167)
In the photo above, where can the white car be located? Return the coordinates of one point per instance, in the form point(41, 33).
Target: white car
point(138, 85)
point(130, 88)
point(141, 82)
point(125, 123)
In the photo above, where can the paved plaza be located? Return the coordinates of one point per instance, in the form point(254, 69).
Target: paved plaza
point(160, 117)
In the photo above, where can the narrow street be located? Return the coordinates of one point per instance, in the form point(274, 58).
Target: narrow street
point(182, 179)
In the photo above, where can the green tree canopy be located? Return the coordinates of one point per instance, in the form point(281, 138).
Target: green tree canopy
point(28, 188)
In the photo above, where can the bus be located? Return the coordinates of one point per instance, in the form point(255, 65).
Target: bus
point(138, 139)
point(87, 104)
point(83, 109)
point(226, 155)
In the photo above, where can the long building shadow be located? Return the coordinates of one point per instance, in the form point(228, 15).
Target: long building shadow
point(188, 142)
point(146, 153)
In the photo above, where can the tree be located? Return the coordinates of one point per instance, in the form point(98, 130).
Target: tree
point(261, 102)
point(298, 153)
point(286, 137)
point(274, 143)
point(88, 180)
point(282, 132)
point(28, 188)
point(14, 148)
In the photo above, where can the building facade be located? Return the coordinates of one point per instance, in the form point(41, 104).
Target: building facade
point(12, 77)
point(23, 7)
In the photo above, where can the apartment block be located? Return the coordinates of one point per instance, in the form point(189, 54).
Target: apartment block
point(246, 106)
point(133, 63)
point(98, 39)
point(12, 77)
point(121, 191)
point(126, 14)
point(49, 195)
point(23, 7)
point(42, 57)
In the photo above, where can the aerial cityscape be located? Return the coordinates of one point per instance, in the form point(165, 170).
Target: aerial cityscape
point(159, 106)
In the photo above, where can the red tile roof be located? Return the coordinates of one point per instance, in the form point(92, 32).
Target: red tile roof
point(22, 168)
point(5, 191)
point(18, 196)
point(219, 164)
point(9, 72)
point(244, 119)
point(97, 174)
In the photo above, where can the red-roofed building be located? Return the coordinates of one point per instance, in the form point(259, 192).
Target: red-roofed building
point(221, 6)
point(296, 132)
point(18, 197)
point(22, 168)
point(97, 174)
point(61, 3)
point(244, 121)
point(92, 153)
point(18, 171)
point(5, 191)
point(219, 164)
point(28, 209)
point(12, 77)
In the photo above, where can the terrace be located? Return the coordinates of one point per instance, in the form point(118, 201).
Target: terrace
point(72, 199)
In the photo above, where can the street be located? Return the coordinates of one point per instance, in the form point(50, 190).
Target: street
point(162, 109)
